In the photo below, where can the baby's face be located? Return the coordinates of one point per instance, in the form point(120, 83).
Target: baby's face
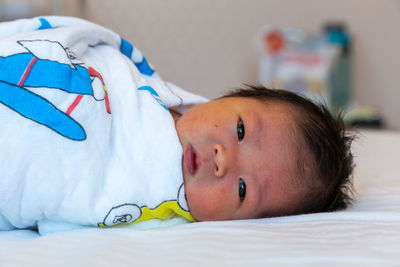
point(239, 157)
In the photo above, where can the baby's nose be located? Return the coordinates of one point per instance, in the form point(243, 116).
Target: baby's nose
point(220, 161)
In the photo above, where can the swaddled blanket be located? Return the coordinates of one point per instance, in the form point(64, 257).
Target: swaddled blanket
point(86, 136)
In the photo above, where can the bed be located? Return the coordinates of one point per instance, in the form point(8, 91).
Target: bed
point(368, 233)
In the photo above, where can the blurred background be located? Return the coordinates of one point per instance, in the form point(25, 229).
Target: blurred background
point(346, 51)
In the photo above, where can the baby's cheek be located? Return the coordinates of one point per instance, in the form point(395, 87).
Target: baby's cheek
point(205, 212)
point(207, 205)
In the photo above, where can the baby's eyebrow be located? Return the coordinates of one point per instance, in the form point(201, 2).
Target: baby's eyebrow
point(259, 187)
point(256, 128)
point(253, 196)
point(260, 191)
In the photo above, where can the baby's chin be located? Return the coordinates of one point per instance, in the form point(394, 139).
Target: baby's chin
point(201, 211)
point(195, 208)
point(202, 216)
point(199, 216)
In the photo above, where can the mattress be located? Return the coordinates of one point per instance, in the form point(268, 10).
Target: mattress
point(367, 233)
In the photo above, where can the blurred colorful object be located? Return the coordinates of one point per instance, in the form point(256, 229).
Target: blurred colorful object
point(317, 66)
point(274, 42)
point(362, 116)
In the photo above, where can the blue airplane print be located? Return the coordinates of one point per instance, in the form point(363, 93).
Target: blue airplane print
point(59, 69)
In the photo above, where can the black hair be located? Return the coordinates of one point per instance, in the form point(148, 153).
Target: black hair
point(328, 177)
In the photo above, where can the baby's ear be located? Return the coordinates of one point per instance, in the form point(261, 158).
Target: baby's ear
point(48, 50)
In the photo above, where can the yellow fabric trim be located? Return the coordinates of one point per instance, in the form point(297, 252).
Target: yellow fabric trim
point(163, 211)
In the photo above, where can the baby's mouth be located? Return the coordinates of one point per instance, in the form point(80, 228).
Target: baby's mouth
point(191, 160)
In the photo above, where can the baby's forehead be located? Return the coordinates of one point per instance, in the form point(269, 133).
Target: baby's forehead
point(293, 142)
point(287, 109)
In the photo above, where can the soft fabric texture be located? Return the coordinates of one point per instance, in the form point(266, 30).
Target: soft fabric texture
point(87, 138)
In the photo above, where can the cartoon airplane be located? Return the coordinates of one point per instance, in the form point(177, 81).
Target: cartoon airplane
point(48, 64)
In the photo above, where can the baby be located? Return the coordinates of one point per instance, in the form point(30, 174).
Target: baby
point(92, 136)
point(259, 153)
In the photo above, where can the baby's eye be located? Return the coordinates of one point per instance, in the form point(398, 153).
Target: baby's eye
point(240, 129)
point(242, 189)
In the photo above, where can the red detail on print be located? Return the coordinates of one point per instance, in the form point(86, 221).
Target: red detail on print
point(93, 72)
point(74, 104)
point(107, 103)
point(27, 71)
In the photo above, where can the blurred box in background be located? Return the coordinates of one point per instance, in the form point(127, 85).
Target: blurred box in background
point(317, 66)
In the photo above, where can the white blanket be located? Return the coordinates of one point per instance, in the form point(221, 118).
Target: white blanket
point(86, 136)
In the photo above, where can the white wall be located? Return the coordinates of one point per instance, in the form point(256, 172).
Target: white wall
point(207, 46)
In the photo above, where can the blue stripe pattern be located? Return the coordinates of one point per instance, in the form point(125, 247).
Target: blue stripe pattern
point(144, 67)
point(154, 94)
point(126, 48)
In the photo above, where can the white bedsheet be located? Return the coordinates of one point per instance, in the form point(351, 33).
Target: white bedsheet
point(368, 233)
